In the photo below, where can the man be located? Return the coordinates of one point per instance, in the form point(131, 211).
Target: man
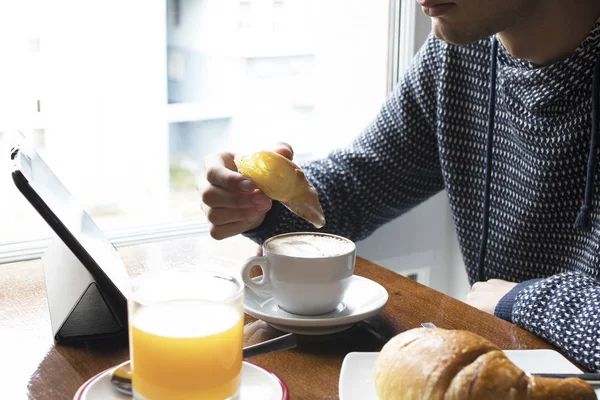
point(497, 110)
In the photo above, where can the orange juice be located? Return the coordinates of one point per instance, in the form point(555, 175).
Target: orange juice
point(186, 349)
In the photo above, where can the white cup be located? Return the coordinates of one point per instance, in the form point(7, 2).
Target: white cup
point(305, 284)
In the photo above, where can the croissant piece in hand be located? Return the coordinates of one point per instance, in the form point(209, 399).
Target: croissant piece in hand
point(282, 180)
point(442, 364)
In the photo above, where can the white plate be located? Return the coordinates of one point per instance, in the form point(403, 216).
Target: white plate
point(257, 383)
point(356, 376)
point(363, 299)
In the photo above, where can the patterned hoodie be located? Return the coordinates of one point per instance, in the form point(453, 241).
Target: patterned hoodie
point(431, 135)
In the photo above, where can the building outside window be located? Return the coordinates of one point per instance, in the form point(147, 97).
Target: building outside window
point(124, 99)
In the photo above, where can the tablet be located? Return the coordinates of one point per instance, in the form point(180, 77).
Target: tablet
point(72, 225)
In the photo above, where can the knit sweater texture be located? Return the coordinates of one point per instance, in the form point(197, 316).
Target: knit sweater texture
point(430, 135)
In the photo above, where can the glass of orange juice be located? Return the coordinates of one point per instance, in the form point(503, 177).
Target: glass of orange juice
point(185, 335)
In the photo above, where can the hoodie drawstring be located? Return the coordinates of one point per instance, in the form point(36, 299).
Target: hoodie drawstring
point(583, 221)
point(488, 159)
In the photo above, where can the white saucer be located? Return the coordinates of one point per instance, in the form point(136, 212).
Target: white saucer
point(363, 299)
point(257, 383)
point(356, 375)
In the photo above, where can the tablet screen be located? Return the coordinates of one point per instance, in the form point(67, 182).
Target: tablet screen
point(72, 215)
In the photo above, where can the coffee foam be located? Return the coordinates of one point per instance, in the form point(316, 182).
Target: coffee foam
point(309, 246)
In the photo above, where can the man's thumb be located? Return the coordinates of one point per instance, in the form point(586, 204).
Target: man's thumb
point(285, 150)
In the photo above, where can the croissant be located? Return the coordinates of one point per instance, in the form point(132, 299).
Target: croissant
point(282, 180)
point(434, 364)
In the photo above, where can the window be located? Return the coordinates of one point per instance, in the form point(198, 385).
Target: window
point(125, 98)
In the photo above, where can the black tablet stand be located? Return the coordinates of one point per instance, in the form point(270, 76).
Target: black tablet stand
point(81, 308)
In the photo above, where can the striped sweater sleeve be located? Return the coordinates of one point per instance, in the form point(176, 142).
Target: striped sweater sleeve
point(563, 309)
point(392, 166)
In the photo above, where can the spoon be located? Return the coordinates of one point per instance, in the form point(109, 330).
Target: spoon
point(120, 377)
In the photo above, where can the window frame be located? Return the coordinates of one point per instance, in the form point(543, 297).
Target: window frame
point(402, 27)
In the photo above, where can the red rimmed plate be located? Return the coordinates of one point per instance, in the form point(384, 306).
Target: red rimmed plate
point(257, 383)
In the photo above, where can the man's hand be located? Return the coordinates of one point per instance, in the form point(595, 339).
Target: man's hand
point(231, 202)
point(486, 295)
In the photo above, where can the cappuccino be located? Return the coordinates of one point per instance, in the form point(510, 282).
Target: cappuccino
point(309, 245)
point(306, 273)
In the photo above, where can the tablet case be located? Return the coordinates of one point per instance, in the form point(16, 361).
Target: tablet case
point(78, 309)
point(81, 308)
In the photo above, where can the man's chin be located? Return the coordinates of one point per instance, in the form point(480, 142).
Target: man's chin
point(450, 33)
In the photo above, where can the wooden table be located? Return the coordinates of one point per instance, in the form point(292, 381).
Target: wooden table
point(33, 367)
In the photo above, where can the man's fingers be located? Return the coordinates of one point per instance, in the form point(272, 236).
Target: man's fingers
point(498, 281)
point(226, 159)
point(477, 286)
point(285, 150)
point(223, 216)
point(218, 174)
point(214, 196)
point(224, 231)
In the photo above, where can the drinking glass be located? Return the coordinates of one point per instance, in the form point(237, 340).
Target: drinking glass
point(185, 335)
